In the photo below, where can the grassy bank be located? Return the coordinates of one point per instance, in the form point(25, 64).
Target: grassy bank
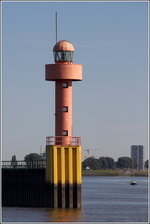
point(142, 173)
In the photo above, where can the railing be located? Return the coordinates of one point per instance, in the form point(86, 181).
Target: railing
point(63, 140)
point(23, 164)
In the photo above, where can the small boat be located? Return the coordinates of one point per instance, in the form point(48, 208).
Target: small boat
point(133, 182)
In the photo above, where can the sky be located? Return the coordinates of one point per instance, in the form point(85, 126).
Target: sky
point(109, 104)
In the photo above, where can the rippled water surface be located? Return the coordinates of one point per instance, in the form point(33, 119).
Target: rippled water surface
point(104, 199)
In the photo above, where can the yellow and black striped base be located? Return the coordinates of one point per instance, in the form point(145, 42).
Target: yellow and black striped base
point(63, 175)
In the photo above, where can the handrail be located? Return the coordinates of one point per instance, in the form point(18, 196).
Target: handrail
point(63, 140)
point(23, 164)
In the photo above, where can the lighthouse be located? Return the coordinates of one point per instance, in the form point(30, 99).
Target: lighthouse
point(63, 151)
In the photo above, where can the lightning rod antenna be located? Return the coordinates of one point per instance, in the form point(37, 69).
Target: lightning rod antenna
point(56, 24)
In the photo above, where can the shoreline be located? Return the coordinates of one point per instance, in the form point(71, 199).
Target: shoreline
point(119, 173)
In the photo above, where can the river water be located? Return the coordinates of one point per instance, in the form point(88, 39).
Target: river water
point(104, 199)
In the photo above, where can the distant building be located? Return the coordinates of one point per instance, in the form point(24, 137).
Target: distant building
point(137, 152)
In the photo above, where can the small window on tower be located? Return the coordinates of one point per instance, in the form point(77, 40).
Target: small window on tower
point(65, 85)
point(64, 133)
point(65, 109)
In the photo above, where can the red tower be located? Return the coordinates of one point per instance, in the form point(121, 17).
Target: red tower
point(63, 72)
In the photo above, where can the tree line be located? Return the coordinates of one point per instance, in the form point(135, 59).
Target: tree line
point(109, 163)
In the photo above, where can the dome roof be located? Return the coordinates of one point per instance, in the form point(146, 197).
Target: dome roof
point(63, 45)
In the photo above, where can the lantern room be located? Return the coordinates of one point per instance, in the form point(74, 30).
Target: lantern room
point(63, 51)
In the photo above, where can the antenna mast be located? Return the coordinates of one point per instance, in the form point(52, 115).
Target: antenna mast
point(56, 24)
